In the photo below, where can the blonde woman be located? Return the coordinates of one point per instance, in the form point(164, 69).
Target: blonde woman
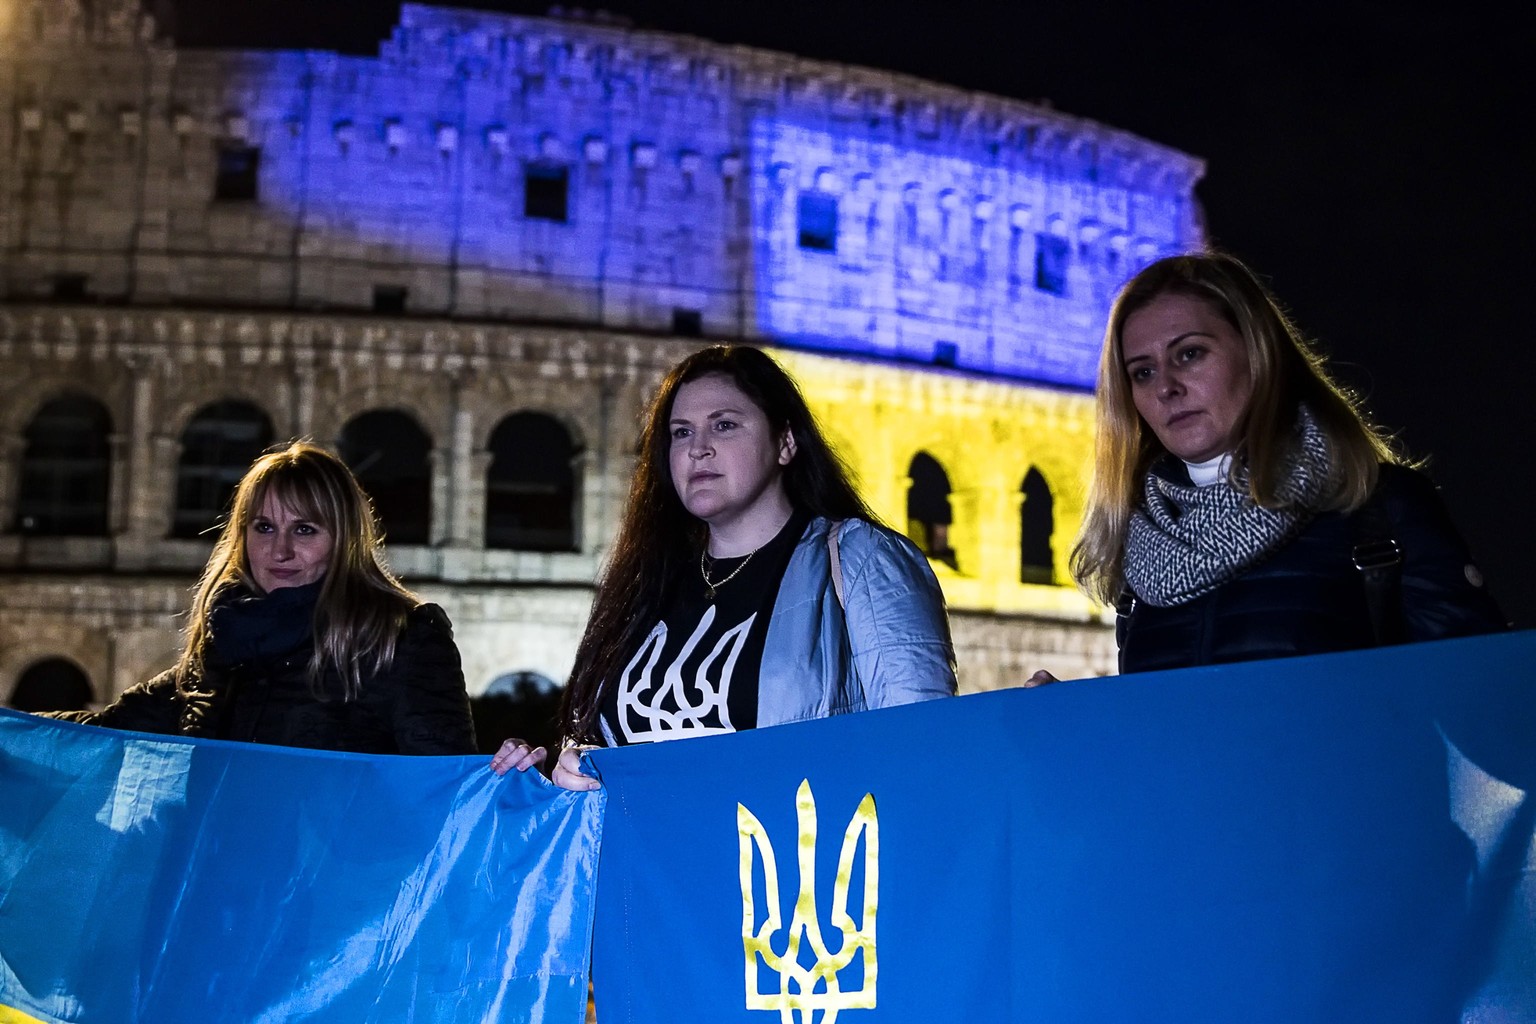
point(299, 635)
point(1242, 506)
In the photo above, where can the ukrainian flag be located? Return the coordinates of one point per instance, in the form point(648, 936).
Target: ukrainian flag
point(165, 880)
point(1326, 840)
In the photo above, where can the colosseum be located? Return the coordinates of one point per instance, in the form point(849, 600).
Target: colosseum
point(467, 261)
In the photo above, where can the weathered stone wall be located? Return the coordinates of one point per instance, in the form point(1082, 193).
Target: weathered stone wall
point(969, 246)
point(111, 603)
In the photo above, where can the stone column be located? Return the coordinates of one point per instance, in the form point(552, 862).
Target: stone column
point(120, 447)
point(140, 514)
point(12, 447)
point(301, 407)
point(998, 524)
point(469, 523)
point(587, 500)
point(441, 496)
point(459, 518)
point(158, 498)
point(966, 532)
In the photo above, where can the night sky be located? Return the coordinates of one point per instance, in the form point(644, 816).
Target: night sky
point(1367, 159)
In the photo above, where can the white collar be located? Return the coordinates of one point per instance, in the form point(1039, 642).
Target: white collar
point(1211, 471)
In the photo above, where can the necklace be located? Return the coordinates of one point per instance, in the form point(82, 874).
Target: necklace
point(710, 586)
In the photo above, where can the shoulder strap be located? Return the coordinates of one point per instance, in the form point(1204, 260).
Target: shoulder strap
point(837, 562)
point(1380, 561)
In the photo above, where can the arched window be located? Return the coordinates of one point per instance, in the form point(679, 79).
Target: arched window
point(521, 704)
point(53, 684)
point(217, 448)
point(530, 493)
point(389, 453)
point(928, 510)
point(1037, 521)
point(66, 470)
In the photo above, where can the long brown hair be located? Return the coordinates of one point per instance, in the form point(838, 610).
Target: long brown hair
point(1286, 370)
point(658, 537)
point(361, 607)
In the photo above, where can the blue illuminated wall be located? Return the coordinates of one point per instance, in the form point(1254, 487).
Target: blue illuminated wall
point(756, 194)
point(947, 252)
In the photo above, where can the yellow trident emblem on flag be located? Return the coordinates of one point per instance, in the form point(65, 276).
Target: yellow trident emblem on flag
point(807, 988)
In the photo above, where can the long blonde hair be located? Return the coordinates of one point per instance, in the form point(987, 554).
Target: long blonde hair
point(361, 607)
point(1286, 372)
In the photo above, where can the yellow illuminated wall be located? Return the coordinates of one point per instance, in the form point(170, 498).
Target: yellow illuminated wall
point(987, 434)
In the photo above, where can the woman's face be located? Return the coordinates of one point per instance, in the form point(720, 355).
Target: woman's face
point(727, 462)
point(284, 549)
point(1188, 373)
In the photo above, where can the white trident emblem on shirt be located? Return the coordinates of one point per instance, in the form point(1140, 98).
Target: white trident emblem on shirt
point(807, 988)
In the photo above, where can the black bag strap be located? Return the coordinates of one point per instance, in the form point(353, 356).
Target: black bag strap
point(1380, 561)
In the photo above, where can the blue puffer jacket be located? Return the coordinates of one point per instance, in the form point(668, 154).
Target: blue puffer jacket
point(1308, 597)
point(895, 648)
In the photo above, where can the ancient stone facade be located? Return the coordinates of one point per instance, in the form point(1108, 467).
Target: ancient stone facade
point(499, 233)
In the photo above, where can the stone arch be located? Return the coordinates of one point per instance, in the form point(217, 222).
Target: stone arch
point(531, 484)
point(1037, 524)
point(65, 476)
point(52, 684)
point(19, 405)
point(390, 453)
point(929, 511)
point(218, 445)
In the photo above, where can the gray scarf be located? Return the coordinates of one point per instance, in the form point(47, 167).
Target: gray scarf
point(1186, 541)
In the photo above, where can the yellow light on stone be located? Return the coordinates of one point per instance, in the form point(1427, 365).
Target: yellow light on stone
point(987, 433)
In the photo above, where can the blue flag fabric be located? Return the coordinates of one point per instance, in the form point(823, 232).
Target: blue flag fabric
point(1333, 839)
point(173, 881)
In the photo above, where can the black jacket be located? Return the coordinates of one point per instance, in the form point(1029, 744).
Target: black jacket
point(1308, 597)
point(417, 706)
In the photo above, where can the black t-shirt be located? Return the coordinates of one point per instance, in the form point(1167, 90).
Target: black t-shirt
point(696, 672)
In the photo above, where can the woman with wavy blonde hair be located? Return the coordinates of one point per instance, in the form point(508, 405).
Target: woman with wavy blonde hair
point(1236, 483)
point(300, 635)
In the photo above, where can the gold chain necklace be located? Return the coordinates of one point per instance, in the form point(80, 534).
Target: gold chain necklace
point(710, 586)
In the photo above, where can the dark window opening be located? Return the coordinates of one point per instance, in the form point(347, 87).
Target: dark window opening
point(218, 446)
point(1037, 521)
point(53, 684)
point(687, 323)
point(389, 298)
point(946, 353)
point(545, 192)
point(530, 500)
point(237, 173)
point(71, 287)
point(66, 469)
point(929, 514)
point(818, 222)
point(391, 457)
point(1051, 255)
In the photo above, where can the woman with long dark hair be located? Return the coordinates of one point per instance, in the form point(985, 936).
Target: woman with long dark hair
point(749, 584)
point(300, 635)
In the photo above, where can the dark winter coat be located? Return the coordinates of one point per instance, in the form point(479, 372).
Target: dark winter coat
point(1308, 597)
point(417, 706)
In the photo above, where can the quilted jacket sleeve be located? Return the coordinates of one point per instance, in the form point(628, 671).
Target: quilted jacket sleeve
point(429, 709)
point(152, 706)
point(897, 625)
point(1443, 592)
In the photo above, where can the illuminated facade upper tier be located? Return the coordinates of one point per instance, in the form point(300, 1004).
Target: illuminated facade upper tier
point(494, 166)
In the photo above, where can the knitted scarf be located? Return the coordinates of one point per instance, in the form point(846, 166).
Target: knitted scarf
point(1186, 541)
point(247, 626)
